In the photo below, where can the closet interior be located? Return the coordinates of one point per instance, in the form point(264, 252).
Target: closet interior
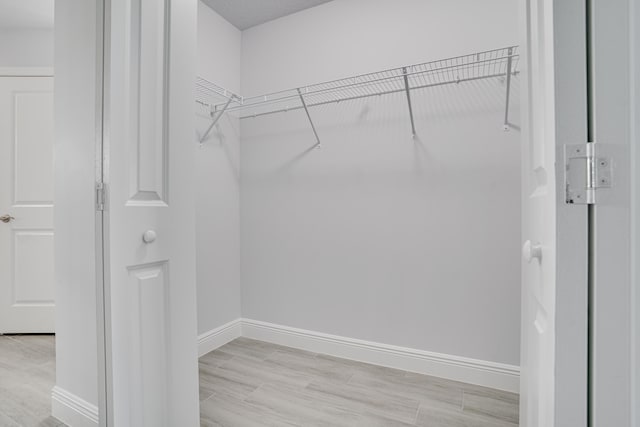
point(358, 230)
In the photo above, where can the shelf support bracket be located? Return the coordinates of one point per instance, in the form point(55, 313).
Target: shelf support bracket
point(215, 118)
point(306, 110)
point(407, 90)
point(506, 126)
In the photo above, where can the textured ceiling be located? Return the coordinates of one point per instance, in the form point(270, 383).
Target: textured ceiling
point(15, 14)
point(245, 14)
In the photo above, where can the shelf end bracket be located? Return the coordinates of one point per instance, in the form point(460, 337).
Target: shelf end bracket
point(215, 117)
point(407, 90)
point(306, 110)
point(506, 126)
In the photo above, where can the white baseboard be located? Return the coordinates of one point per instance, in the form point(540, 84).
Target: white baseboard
point(219, 336)
point(472, 371)
point(72, 410)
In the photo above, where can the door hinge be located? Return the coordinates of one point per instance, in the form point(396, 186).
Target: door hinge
point(588, 172)
point(101, 197)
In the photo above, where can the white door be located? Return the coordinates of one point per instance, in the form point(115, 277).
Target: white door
point(26, 205)
point(555, 271)
point(149, 218)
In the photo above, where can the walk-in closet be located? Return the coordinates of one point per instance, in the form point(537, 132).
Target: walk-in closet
point(358, 212)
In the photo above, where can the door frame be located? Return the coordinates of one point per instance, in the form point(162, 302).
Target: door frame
point(105, 407)
point(634, 16)
point(614, 45)
point(79, 29)
point(607, 390)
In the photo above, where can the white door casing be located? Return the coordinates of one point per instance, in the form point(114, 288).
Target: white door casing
point(149, 219)
point(612, 26)
point(555, 283)
point(26, 196)
point(634, 17)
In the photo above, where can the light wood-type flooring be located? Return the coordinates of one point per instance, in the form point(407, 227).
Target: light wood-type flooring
point(253, 383)
point(27, 375)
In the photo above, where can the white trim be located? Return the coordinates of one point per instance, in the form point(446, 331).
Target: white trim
point(634, 15)
point(219, 336)
point(489, 374)
point(72, 410)
point(26, 71)
point(472, 371)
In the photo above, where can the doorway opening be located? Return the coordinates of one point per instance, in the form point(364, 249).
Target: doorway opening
point(358, 197)
point(27, 284)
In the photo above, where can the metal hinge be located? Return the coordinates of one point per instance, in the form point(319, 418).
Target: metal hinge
point(100, 196)
point(588, 172)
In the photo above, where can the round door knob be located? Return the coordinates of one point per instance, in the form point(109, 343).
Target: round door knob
point(6, 218)
point(531, 251)
point(149, 236)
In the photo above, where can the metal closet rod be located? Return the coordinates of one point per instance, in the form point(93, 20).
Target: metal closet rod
point(494, 63)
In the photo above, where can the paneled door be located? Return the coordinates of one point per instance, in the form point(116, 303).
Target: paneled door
point(149, 216)
point(554, 347)
point(26, 205)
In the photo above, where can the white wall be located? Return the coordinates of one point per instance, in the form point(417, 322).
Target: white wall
point(29, 47)
point(376, 236)
point(75, 225)
point(217, 173)
point(346, 37)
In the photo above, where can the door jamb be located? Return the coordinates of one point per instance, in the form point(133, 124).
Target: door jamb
point(102, 308)
point(634, 134)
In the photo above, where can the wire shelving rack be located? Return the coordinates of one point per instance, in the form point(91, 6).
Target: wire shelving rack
point(215, 99)
point(498, 63)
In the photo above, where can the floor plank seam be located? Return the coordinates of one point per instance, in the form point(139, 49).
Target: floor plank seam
point(415, 418)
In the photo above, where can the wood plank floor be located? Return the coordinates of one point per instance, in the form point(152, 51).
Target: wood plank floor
point(253, 383)
point(249, 383)
point(27, 375)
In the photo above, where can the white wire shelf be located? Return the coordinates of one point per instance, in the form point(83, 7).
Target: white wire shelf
point(210, 95)
point(215, 99)
point(497, 63)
